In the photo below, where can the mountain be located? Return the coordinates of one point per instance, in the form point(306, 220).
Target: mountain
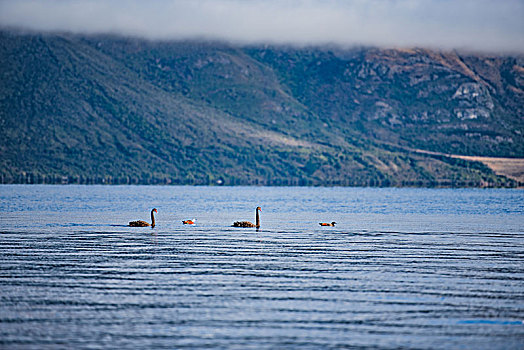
point(106, 109)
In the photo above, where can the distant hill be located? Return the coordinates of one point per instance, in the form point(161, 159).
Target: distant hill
point(103, 109)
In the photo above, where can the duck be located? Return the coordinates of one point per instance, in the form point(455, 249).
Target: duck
point(188, 222)
point(327, 223)
point(248, 223)
point(140, 223)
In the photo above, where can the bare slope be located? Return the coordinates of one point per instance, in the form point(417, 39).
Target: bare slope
point(509, 167)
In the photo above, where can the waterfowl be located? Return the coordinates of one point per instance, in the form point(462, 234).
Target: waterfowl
point(327, 223)
point(141, 223)
point(248, 223)
point(188, 222)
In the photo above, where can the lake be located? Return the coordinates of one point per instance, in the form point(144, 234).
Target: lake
point(403, 268)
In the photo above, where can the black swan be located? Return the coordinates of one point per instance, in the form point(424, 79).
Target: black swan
point(188, 222)
point(327, 223)
point(247, 223)
point(141, 223)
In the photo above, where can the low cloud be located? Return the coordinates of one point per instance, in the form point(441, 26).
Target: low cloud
point(484, 25)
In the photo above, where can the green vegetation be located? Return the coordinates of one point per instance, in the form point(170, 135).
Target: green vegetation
point(102, 109)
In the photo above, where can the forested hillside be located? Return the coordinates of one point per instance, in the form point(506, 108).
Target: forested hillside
point(102, 109)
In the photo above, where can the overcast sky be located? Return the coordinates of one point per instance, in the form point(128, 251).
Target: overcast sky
point(485, 25)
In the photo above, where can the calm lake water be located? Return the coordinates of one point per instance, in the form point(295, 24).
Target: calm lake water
point(404, 268)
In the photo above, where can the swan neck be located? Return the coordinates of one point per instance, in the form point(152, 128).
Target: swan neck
point(257, 219)
point(152, 218)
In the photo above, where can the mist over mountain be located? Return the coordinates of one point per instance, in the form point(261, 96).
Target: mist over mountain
point(110, 109)
point(478, 25)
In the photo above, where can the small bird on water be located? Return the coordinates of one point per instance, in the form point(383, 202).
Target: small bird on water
point(188, 222)
point(327, 223)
